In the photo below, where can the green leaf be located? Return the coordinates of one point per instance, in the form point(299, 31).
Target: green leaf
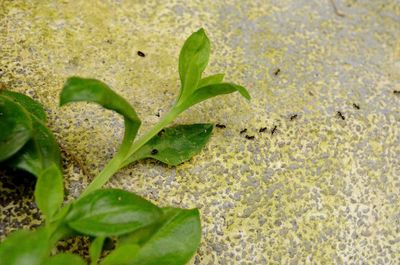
point(122, 255)
point(95, 249)
point(140, 236)
point(39, 153)
point(49, 191)
point(32, 107)
point(176, 144)
point(64, 259)
point(210, 91)
point(193, 59)
point(92, 90)
point(175, 242)
point(209, 80)
point(111, 212)
point(16, 127)
point(25, 248)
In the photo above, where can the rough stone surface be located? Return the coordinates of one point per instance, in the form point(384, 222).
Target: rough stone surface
point(322, 189)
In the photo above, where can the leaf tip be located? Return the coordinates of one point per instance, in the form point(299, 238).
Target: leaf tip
point(243, 91)
point(67, 85)
point(62, 101)
point(201, 31)
point(195, 211)
point(203, 35)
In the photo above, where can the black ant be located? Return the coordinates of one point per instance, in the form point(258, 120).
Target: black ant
point(274, 130)
point(341, 115)
point(160, 133)
point(293, 117)
point(263, 129)
point(248, 137)
point(221, 126)
point(243, 131)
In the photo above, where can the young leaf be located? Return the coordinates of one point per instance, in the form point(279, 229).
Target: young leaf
point(122, 255)
point(16, 127)
point(64, 259)
point(49, 191)
point(25, 248)
point(39, 153)
point(209, 80)
point(175, 145)
point(92, 90)
point(95, 249)
point(33, 107)
point(210, 91)
point(193, 59)
point(175, 242)
point(111, 212)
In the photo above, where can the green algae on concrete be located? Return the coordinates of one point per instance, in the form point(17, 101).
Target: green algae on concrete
point(320, 190)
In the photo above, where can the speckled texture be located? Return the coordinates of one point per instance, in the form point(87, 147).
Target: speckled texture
point(320, 190)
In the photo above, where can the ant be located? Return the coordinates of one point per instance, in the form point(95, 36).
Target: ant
point(341, 115)
point(274, 130)
point(160, 133)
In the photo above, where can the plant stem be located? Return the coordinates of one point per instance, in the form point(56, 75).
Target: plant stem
point(118, 161)
point(168, 118)
point(108, 171)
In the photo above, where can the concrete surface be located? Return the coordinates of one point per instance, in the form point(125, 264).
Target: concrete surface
point(323, 189)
